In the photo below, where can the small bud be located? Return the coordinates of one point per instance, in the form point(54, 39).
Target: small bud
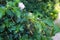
point(30, 14)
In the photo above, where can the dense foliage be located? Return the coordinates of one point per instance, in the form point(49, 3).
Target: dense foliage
point(45, 7)
point(35, 22)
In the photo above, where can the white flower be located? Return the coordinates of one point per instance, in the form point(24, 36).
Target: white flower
point(21, 5)
point(56, 37)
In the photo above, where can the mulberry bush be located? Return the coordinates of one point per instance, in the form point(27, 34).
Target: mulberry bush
point(27, 20)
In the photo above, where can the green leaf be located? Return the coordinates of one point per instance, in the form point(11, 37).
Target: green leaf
point(16, 1)
point(2, 11)
point(17, 12)
point(9, 13)
point(2, 28)
point(48, 22)
point(0, 38)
